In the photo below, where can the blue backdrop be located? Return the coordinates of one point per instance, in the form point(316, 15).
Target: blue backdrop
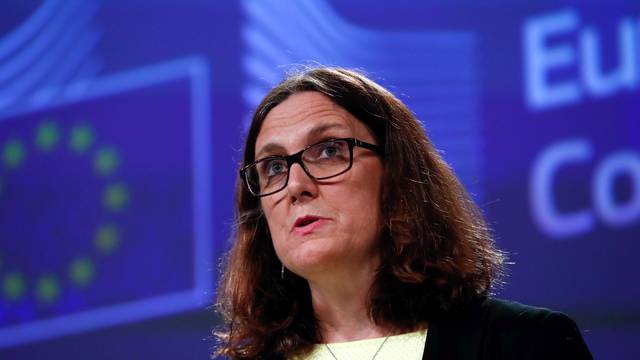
point(121, 125)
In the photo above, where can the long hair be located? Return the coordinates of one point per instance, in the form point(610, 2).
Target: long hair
point(436, 251)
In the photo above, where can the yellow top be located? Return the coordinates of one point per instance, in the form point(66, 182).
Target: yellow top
point(407, 346)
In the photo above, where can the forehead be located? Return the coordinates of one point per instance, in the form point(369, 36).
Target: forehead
point(290, 123)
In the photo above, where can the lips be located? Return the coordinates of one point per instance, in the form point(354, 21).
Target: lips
point(307, 224)
point(305, 220)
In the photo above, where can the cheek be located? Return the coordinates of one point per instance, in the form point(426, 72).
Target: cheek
point(276, 221)
point(360, 204)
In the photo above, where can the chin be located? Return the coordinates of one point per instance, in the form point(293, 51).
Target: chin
point(311, 258)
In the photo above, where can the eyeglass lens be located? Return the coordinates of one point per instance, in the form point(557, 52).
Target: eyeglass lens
point(322, 160)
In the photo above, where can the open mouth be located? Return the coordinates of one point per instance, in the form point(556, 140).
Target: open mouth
point(307, 224)
point(304, 221)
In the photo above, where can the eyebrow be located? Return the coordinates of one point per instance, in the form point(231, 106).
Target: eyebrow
point(314, 132)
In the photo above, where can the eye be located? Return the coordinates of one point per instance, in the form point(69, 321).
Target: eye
point(330, 149)
point(274, 167)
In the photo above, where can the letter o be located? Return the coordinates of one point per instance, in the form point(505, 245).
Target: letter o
point(624, 162)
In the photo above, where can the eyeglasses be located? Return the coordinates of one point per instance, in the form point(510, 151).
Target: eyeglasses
point(320, 161)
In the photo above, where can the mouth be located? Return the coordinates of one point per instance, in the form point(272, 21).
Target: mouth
point(307, 224)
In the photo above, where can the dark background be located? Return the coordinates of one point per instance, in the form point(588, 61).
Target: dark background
point(121, 126)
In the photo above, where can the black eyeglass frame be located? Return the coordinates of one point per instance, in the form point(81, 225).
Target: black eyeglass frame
point(297, 159)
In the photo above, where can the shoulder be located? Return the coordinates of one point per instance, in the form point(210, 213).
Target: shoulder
point(516, 316)
point(499, 329)
point(538, 331)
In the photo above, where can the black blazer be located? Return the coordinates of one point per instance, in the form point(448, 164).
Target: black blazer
point(498, 329)
point(492, 329)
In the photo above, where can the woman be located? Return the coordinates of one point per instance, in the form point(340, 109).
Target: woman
point(355, 240)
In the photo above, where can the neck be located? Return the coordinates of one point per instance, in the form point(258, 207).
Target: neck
point(340, 304)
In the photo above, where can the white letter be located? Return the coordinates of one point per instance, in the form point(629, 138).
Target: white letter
point(543, 209)
point(610, 212)
point(539, 59)
point(596, 81)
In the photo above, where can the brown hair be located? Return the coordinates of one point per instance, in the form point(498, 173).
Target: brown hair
point(436, 251)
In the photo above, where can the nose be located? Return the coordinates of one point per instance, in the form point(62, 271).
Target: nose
point(301, 186)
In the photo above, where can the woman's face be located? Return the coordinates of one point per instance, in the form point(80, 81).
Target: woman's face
point(327, 225)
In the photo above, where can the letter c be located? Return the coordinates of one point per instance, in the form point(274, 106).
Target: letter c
point(543, 209)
